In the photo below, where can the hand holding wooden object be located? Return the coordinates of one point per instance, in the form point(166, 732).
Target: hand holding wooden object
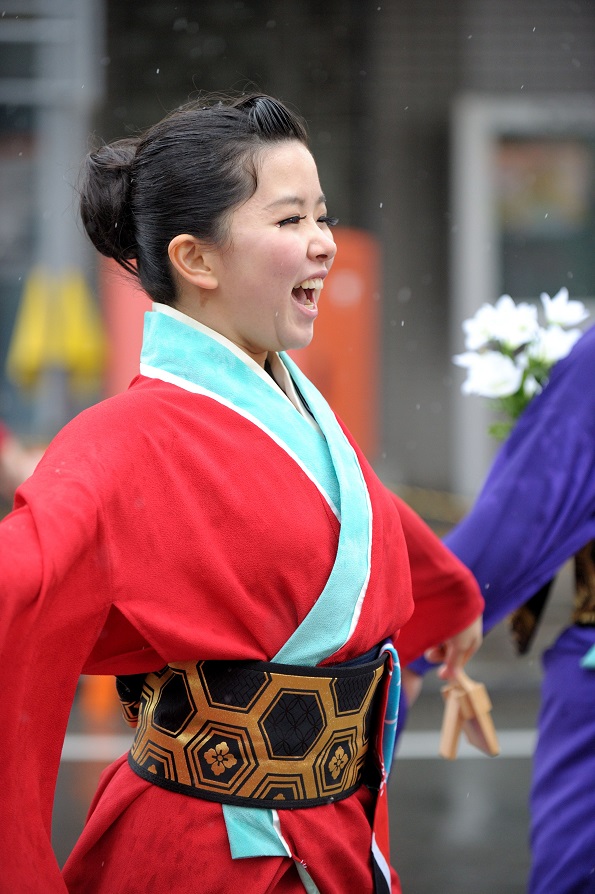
point(467, 709)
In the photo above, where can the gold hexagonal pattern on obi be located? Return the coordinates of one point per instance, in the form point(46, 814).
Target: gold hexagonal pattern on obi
point(268, 734)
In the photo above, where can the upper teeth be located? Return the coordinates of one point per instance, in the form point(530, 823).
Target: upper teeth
point(311, 284)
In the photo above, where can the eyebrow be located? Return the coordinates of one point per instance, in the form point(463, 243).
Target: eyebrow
point(293, 200)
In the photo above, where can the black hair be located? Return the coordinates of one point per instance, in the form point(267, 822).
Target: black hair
point(183, 175)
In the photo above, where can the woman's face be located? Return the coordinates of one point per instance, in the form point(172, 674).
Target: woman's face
point(271, 271)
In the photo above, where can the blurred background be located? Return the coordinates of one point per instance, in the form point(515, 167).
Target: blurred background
point(456, 143)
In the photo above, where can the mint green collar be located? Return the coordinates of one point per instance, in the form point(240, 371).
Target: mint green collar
point(190, 358)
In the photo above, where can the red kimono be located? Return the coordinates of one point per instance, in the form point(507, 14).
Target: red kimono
point(163, 526)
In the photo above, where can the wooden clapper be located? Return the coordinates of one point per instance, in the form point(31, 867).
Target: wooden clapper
point(467, 710)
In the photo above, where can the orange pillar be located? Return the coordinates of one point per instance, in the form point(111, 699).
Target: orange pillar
point(124, 305)
point(343, 359)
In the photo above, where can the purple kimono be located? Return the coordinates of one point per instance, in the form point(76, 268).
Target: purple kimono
point(535, 511)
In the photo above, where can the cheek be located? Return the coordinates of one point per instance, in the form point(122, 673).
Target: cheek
point(278, 260)
point(288, 261)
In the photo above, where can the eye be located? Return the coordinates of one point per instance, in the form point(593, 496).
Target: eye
point(329, 221)
point(291, 220)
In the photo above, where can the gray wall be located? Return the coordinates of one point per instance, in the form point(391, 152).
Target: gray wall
point(376, 81)
point(425, 54)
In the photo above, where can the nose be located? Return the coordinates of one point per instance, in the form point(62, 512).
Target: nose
point(322, 245)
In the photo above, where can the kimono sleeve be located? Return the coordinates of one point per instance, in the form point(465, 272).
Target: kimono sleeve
point(446, 595)
point(52, 609)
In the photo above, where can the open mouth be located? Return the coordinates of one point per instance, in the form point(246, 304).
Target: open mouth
point(307, 292)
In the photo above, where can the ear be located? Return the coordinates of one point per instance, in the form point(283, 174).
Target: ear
point(192, 261)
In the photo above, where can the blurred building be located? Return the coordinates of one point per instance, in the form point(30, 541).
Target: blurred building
point(460, 136)
point(51, 347)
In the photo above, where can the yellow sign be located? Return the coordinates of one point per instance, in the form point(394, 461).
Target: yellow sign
point(58, 325)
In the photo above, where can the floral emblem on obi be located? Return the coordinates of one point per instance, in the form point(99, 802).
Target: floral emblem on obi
point(337, 762)
point(220, 758)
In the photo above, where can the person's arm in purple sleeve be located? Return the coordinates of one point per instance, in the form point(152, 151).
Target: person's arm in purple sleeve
point(537, 506)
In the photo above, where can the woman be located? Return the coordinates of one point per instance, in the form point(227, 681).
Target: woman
point(214, 517)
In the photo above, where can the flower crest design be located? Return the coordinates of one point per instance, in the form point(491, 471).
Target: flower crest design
point(220, 758)
point(337, 762)
point(509, 354)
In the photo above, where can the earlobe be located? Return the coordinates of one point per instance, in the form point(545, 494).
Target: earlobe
point(190, 259)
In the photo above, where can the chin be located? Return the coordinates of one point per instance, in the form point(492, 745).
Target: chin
point(300, 341)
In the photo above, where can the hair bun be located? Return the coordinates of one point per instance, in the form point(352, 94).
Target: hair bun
point(106, 201)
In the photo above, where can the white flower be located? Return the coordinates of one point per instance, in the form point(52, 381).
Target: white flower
point(481, 328)
point(490, 374)
point(552, 344)
point(516, 324)
point(465, 360)
point(531, 387)
point(505, 323)
point(559, 311)
point(509, 355)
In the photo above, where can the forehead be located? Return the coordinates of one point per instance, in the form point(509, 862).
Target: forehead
point(286, 170)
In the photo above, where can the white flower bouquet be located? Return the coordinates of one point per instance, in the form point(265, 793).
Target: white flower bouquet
point(509, 354)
